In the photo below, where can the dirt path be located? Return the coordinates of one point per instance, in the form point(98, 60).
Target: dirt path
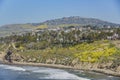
point(13, 45)
point(2, 55)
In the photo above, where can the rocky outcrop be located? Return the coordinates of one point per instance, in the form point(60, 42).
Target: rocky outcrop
point(118, 69)
point(16, 57)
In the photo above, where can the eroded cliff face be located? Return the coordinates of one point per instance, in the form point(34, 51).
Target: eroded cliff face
point(118, 69)
point(73, 63)
point(17, 57)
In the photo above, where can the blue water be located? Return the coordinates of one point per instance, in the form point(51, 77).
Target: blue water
point(8, 72)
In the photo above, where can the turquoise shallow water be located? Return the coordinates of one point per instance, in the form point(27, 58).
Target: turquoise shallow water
point(8, 72)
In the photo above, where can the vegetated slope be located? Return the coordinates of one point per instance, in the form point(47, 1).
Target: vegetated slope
point(61, 22)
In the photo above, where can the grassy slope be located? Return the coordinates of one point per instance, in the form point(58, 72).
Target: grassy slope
point(98, 51)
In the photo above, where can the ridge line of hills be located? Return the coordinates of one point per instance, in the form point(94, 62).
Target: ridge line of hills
point(54, 23)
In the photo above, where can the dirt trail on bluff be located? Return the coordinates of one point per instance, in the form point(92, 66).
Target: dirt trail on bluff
point(2, 55)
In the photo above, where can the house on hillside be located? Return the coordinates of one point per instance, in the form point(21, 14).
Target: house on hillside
point(113, 37)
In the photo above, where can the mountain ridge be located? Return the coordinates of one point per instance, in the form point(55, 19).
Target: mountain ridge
point(65, 21)
point(77, 20)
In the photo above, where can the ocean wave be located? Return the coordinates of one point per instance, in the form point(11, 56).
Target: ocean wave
point(58, 74)
point(12, 67)
point(50, 72)
point(64, 75)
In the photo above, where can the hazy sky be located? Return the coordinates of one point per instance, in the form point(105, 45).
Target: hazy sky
point(27, 11)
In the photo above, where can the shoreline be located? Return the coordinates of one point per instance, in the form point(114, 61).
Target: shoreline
point(38, 65)
point(103, 71)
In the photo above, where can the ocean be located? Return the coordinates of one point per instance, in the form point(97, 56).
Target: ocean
point(12, 72)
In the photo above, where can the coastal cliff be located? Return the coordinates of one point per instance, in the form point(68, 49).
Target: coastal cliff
point(86, 56)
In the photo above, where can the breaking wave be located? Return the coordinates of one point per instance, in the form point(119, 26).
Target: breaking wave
point(12, 67)
point(55, 74)
point(49, 73)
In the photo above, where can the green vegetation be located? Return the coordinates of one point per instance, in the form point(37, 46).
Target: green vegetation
point(96, 52)
point(41, 27)
point(68, 44)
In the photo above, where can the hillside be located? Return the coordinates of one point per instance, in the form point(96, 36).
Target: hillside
point(61, 22)
point(7, 30)
point(78, 20)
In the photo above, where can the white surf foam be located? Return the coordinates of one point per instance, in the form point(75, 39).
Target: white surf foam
point(110, 76)
point(58, 74)
point(64, 75)
point(51, 73)
point(12, 67)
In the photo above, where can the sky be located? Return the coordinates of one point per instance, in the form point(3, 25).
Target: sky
point(35, 11)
